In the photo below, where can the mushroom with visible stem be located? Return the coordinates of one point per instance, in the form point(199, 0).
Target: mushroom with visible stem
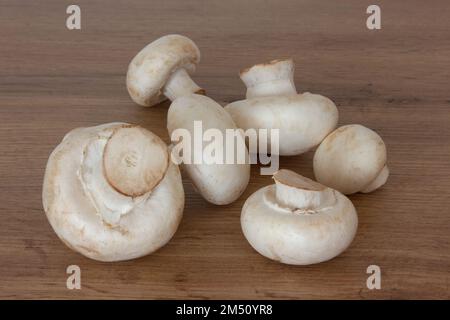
point(351, 159)
point(219, 183)
point(303, 120)
point(298, 221)
point(269, 79)
point(111, 193)
point(161, 70)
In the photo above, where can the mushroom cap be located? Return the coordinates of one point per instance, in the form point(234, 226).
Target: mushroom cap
point(350, 158)
point(218, 183)
point(299, 236)
point(303, 120)
point(90, 215)
point(150, 69)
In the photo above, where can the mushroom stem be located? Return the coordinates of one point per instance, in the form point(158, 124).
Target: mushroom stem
point(271, 88)
point(378, 181)
point(268, 79)
point(135, 160)
point(300, 193)
point(180, 84)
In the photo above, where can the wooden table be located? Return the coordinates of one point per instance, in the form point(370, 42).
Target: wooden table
point(394, 80)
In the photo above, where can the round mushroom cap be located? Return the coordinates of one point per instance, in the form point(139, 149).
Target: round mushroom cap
point(320, 227)
point(150, 69)
point(303, 120)
point(350, 158)
point(219, 183)
point(90, 199)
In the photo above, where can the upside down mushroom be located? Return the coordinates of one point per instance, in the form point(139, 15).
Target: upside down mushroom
point(351, 159)
point(161, 70)
point(298, 221)
point(111, 193)
point(272, 102)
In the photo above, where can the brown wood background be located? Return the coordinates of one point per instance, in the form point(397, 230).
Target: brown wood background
point(395, 80)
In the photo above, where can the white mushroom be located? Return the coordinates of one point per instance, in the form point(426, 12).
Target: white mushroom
point(351, 159)
point(298, 221)
point(218, 183)
point(303, 120)
point(111, 193)
point(161, 70)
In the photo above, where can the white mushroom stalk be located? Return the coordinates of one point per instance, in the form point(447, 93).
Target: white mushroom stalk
point(303, 120)
point(352, 159)
point(298, 221)
point(269, 79)
point(111, 193)
point(180, 84)
point(219, 183)
point(312, 195)
point(161, 70)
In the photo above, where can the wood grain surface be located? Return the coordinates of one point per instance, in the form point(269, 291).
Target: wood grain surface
point(394, 80)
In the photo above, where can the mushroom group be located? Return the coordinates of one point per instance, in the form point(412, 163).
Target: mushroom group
point(114, 191)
